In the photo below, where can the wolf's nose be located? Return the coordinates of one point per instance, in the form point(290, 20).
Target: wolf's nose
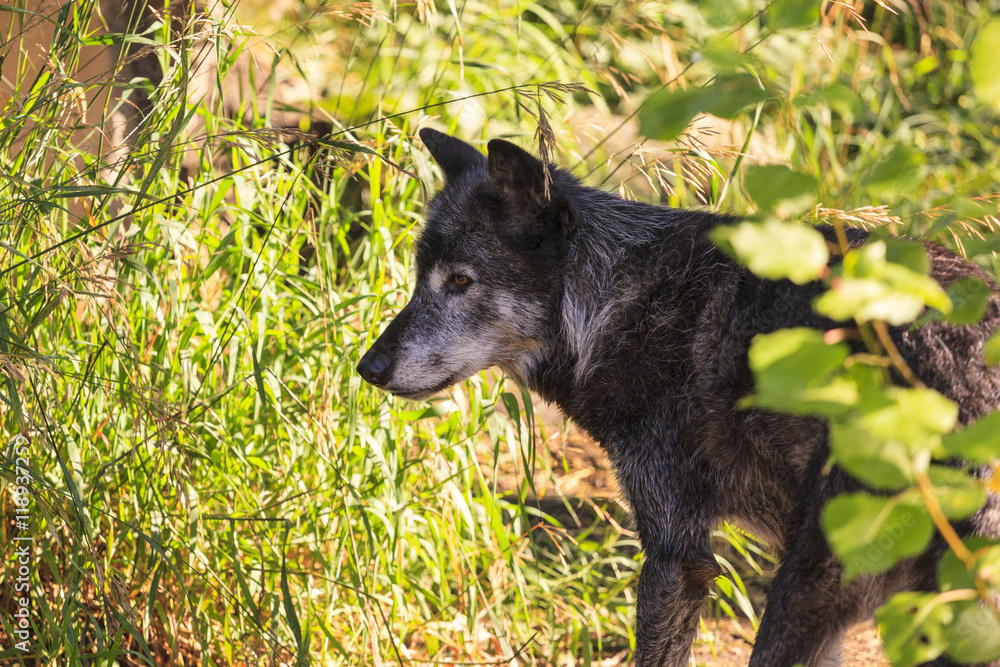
point(374, 368)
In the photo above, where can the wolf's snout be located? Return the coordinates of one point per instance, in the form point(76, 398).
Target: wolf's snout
point(374, 367)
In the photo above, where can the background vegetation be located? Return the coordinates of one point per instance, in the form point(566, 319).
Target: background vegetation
point(210, 480)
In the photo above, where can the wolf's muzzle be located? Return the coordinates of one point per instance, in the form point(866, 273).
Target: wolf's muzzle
point(375, 367)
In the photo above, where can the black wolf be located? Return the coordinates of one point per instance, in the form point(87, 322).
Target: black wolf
point(638, 327)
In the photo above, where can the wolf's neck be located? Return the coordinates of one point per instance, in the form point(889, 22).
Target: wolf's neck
point(637, 276)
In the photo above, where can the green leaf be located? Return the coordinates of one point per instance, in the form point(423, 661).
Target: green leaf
point(438, 409)
point(925, 65)
point(969, 298)
point(666, 114)
point(237, 567)
point(837, 97)
point(731, 95)
point(793, 13)
point(287, 602)
point(723, 53)
point(914, 417)
point(258, 376)
point(868, 287)
point(979, 442)
point(887, 466)
point(954, 575)
point(991, 350)
point(870, 534)
point(724, 13)
point(974, 246)
point(866, 300)
point(259, 463)
point(988, 566)
point(911, 255)
point(892, 434)
point(775, 249)
point(792, 369)
point(898, 173)
point(118, 38)
point(778, 188)
point(983, 64)
point(974, 636)
point(959, 494)
point(911, 625)
point(787, 345)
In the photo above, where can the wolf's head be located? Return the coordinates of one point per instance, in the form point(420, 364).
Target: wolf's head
point(489, 273)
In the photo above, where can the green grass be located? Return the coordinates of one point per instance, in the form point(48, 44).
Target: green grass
point(213, 483)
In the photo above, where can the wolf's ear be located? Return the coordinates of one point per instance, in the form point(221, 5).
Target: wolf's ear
point(516, 170)
point(453, 155)
point(521, 177)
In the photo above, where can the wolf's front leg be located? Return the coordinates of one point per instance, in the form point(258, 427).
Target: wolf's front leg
point(672, 590)
point(674, 513)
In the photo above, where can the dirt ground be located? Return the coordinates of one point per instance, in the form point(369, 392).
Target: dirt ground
point(582, 471)
point(729, 648)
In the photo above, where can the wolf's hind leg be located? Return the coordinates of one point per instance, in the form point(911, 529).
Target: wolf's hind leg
point(808, 606)
point(672, 591)
point(806, 614)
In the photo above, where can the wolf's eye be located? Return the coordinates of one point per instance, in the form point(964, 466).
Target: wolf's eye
point(460, 280)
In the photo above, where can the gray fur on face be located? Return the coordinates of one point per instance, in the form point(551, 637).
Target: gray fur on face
point(628, 318)
point(446, 340)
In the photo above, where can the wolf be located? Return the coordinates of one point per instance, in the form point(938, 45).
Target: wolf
point(633, 322)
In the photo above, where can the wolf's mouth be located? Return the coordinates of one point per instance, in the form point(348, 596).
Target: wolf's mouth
point(422, 394)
